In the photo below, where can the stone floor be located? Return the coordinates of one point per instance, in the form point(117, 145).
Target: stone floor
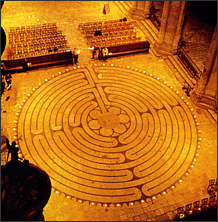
point(121, 133)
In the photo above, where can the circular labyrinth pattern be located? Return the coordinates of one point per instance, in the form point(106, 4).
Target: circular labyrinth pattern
point(108, 134)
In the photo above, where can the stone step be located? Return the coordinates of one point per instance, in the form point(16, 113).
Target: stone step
point(129, 3)
point(125, 5)
point(144, 29)
point(175, 72)
point(176, 63)
point(122, 8)
point(153, 28)
point(150, 31)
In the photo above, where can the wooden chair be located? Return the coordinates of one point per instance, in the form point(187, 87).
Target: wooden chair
point(188, 209)
point(38, 27)
point(11, 41)
point(17, 29)
point(212, 188)
point(205, 204)
point(28, 28)
point(49, 25)
point(213, 201)
point(196, 206)
point(25, 49)
point(32, 27)
point(23, 29)
point(43, 26)
point(12, 29)
point(180, 212)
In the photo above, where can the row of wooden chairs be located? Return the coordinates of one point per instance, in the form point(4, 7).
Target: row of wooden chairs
point(38, 53)
point(105, 27)
point(38, 47)
point(103, 23)
point(109, 29)
point(197, 207)
point(39, 41)
point(114, 42)
point(15, 35)
point(23, 38)
point(33, 27)
point(112, 36)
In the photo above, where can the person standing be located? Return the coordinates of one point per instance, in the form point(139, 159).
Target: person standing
point(105, 53)
point(93, 51)
point(97, 52)
point(24, 64)
point(76, 55)
point(8, 79)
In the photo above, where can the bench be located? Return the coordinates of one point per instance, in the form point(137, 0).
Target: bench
point(13, 66)
point(142, 46)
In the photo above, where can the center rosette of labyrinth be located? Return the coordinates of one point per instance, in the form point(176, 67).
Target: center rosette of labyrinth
point(108, 134)
point(111, 123)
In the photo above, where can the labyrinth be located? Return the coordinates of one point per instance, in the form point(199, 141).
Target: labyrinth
point(108, 134)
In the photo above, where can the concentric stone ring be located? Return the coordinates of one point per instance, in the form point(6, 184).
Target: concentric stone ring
point(108, 134)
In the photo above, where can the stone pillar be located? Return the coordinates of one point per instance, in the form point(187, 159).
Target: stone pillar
point(204, 93)
point(171, 27)
point(140, 10)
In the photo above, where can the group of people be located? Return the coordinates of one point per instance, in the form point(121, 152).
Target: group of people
point(99, 53)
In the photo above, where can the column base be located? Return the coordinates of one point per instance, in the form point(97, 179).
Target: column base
point(203, 101)
point(164, 49)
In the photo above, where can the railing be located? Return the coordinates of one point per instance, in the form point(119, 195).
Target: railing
point(189, 64)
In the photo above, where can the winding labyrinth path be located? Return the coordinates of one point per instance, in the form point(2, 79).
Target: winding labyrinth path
point(108, 134)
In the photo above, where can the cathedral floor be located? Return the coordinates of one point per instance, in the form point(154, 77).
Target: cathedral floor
point(120, 139)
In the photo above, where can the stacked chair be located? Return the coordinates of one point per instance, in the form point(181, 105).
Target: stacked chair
point(27, 41)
